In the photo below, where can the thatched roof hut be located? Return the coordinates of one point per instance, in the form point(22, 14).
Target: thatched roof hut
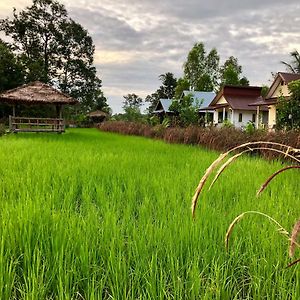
point(36, 93)
point(98, 114)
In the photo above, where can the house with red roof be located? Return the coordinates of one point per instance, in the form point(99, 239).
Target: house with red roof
point(232, 104)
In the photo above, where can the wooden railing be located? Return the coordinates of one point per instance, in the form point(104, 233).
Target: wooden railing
point(22, 124)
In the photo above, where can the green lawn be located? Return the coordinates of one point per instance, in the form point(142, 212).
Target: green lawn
point(92, 215)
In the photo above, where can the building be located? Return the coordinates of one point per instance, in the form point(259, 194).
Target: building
point(232, 104)
point(278, 88)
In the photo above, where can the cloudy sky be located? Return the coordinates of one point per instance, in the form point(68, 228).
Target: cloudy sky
point(137, 40)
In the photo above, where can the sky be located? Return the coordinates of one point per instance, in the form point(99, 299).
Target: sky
point(137, 40)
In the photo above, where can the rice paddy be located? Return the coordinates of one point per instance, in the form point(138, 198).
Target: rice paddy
point(93, 215)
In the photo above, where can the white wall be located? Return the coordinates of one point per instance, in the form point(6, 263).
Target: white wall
point(246, 117)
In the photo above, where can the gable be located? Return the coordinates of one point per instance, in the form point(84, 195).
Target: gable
point(222, 100)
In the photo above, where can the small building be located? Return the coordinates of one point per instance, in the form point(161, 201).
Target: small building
point(162, 108)
point(98, 116)
point(202, 99)
point(278, 88)
point(36, 93)
point(232, 104)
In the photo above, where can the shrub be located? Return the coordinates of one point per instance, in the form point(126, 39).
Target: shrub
point(219, 139)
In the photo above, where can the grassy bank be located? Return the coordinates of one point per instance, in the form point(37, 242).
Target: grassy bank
point(94, 215)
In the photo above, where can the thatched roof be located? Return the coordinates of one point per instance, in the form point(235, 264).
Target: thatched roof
point(97, 114)
point(36, 93)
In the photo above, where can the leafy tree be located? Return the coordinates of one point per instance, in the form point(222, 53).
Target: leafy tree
point(11, 69)
point(201, 70)
point(264, 90)
point(294, 65)
point(231, 73)
point(131, 106)
point(288, 110)
point(11, 74)
point(169, 82)
point(182, 85)
point(101, 103)
point(55, 49)
point(185, 110)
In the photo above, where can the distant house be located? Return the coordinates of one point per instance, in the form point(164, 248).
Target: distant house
point(278, 88)
point(162, 108)
point(200, 99)
point(232, 104)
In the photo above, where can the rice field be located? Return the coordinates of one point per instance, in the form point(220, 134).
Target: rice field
point(93, 215)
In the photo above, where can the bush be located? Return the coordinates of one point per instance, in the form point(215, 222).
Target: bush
point(220, 139)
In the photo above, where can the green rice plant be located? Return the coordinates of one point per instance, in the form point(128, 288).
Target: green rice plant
point(96, 215)
point(287, 152)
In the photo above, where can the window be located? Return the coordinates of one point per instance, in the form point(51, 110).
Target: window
point(253, 118)
point(240, 117)
point(220, 117)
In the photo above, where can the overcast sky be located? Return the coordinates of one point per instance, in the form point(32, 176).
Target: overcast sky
point(137, 40)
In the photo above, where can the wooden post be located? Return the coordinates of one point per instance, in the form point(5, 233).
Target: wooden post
point(224, 113)
point(257, 117)
point(14, 110)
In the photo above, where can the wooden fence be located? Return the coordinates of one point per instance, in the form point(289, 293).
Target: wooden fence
point(24, 124)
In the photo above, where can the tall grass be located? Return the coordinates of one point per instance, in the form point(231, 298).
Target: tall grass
point(93, 215)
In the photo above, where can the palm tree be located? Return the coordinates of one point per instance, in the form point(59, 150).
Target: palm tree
point(294, 66)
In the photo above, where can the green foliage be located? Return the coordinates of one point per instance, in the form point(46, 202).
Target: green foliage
point(131, 106)
point(55, 49)
point(182, 85)
point(186, 111)
point(250, 128)
point(264, 91)
point(231, 73)
point(201, 69)
point(11, 69)
point(227, 124)
point(288, 110)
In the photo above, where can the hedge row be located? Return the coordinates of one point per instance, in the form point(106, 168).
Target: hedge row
point(220, 139)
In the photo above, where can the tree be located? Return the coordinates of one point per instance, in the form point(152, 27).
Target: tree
point(201, 70)
point(231, 73)
point(54, 49)
point(185, 110)
point(288, 110)
point(131, 106)
point(294, 65)
point(182, 85)
point(169, 82)
point(11, 74)
point(11, 69)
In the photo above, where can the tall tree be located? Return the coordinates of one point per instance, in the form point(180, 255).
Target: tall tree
point(169, 82)
point(131, 105)
point(201, 69)
point(182, 85)
point(231, 73)
point(11, 69)
point(294, 65)
point(54, 49)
